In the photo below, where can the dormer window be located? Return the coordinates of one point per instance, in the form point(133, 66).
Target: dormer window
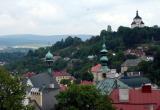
point(123, 95)
point(51, 85)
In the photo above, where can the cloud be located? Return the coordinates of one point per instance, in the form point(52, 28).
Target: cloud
point(73, 16)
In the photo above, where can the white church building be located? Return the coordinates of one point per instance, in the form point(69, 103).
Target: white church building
point(137, 21)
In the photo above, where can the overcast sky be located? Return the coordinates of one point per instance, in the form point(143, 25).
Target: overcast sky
point(52, 17)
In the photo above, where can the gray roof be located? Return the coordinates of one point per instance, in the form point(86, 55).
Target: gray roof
point(34, 104)
point(49, 99)
point(135, 81)
point(43, 80)
point(131, 63)
point(107, 85)
point(133, 22)
point(142, 22)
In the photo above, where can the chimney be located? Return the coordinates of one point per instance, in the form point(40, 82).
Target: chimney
point(123, 95)
point(146, 89)
point(51, 86)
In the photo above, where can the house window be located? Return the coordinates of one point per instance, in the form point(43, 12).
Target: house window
point(104, 75)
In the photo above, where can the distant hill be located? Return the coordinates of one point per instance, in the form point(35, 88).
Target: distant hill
point(30, 39)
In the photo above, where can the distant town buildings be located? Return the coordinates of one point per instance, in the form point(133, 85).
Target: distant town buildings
point(130, 63)
point(60, 75)
point(2, 63)
point(137, 21)
point(135, 52)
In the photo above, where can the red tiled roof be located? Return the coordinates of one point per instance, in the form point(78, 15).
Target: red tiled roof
point(86, 82)
point(136, 52)
point(63, 87)
point(29, 74)
point(137, 100)
point(60, 73)
point(96, 68)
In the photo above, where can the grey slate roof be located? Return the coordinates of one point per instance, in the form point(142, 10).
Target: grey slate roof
point(49, 99)
point(43, 80)
point(135, 81)
point(107, 85)
point(133, 22)
point(142, 22)
point(137, 17)
point(131, 63)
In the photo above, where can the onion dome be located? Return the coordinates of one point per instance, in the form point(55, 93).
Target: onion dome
point(104, 50)
point(104, 58)
point(49, 56)
point(137, 16)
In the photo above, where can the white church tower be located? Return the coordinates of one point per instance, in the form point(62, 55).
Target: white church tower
point(137, 21)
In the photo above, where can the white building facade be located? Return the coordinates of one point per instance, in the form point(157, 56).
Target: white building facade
point(137, 21)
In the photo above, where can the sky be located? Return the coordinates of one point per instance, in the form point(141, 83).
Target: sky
point(57, 17)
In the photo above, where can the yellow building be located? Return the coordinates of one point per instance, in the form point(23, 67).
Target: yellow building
point(60, 75)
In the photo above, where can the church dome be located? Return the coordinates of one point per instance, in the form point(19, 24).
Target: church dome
point(103, 58)
point(49, 56)
point(104, 50)
point(137, 16)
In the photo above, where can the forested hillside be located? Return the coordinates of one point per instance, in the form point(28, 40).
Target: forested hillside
point(77, 51)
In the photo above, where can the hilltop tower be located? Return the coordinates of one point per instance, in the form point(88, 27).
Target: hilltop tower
point(109, 28)
point(137, 21)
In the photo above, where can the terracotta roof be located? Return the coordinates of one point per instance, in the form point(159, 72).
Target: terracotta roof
point(138, 100)
point(60, 73)
point(86, 82)
point(63, 87)
point(29, 74)
point(96, 68)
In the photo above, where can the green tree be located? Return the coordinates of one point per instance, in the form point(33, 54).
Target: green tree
point(87, 76)
point(83, 97)
point(65, 81)
point(11, 92)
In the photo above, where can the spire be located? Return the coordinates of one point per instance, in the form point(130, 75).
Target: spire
point(104, 58)
point(104, 50)
point(137, 13)
point(49, 61)
point(104, 40)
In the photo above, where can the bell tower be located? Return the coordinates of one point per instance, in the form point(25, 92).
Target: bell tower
point(49, 61)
